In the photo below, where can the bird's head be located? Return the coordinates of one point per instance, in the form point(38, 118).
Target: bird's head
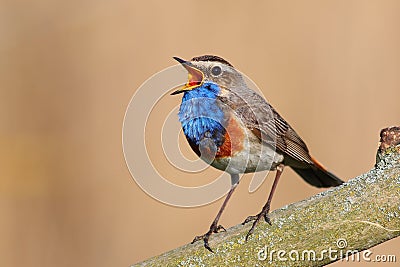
point(204, 72)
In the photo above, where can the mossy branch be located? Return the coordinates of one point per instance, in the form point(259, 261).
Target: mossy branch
point(355, 216)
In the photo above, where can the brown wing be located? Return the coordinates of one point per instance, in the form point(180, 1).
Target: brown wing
point(262, 119)
point(287, 140)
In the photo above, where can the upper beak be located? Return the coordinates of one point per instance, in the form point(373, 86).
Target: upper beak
point(195, 77)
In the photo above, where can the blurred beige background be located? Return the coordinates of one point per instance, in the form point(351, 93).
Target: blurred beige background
point(67, 73)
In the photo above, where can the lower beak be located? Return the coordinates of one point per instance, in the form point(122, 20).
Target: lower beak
point(195, 77)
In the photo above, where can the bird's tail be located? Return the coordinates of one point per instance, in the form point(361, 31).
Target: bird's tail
point(317, 175)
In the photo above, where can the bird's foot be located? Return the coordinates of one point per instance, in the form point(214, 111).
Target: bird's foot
point(256, 218)
point(214, 228)
point(249, 219)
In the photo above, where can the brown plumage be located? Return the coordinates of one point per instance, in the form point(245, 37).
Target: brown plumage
point(255, 138)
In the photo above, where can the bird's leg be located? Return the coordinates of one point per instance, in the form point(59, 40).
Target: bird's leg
point(265, 210)
point(215, 228)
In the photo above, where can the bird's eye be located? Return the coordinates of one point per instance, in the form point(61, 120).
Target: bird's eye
point(216, 70)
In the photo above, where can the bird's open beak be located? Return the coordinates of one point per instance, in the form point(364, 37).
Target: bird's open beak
point(195, 78)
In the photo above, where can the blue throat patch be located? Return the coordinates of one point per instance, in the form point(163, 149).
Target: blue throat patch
point(201, 116)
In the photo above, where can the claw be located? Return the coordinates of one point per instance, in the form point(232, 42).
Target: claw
point(267, 219)
point(206, 236)
point(256, 219)
point(197, 238)
point(219, 228)
point(249, 219)
point(249, 233)
point(207, 246)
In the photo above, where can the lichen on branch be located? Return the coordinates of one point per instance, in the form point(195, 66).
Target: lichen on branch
point(360, 214)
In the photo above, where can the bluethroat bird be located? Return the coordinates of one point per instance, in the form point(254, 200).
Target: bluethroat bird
point(237, 131)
